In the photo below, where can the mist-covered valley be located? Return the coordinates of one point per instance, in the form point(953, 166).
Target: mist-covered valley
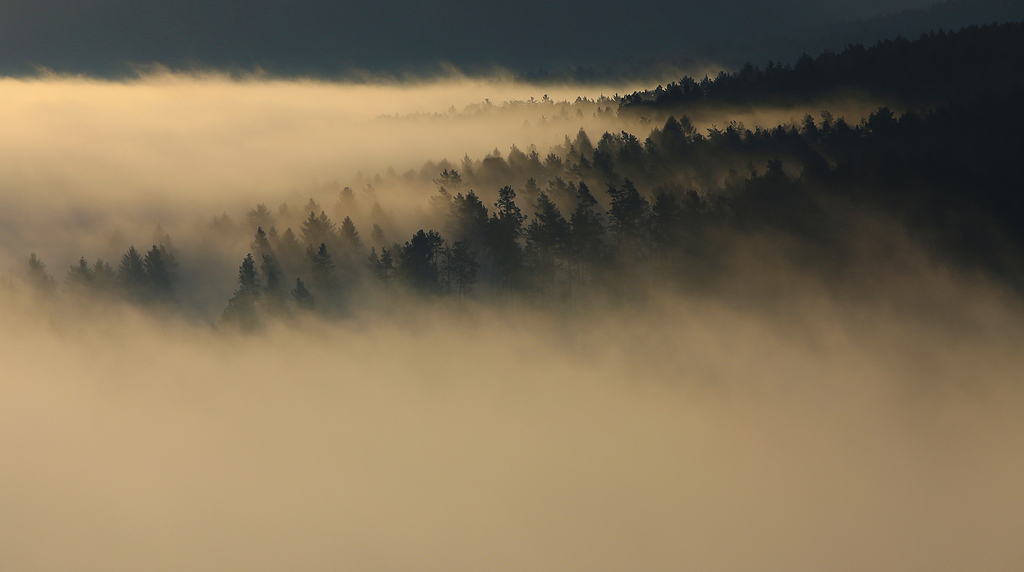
point(766, 320)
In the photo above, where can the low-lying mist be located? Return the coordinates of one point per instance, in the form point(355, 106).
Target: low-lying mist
point(92, 166)
point(776, 417)
point(677, 433)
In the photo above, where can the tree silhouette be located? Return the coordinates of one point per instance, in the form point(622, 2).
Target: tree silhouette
point(586, 224)
point(131, 275)
point(159, 274)
point(274, 291)
point(289, 252)
point(241, 309)
point(322, 272)
point(467, 218)
point(449, 179)
point(417, 261)
point(383, 267)
point(377, 235)
point(260, 217)
point(504, 229)
point(38, 276)
point(349, 235)
point(463, 268)
point(546, 242)
point(80, 275)
point(103, 276)
point(301, 295)
point(318, 229)
point(629, 217)
point(261, 243)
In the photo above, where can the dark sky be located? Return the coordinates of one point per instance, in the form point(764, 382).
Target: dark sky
point(324, 37)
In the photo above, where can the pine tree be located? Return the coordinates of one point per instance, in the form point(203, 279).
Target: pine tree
point(530, 190)
point(418, 264)
point(322, 271)
point(467, 218)
point(131, 274)
point(318, 229)
point(383, 267)
point(274, 290)
point(586, 234)
point(261, 243)
point(546, 242)
point(629, 215)
point(260, 217)
point(289, 252)
point(248, 278)
point(463, 268)
point(504, 230)
point(38, 276)
point(301, 295)
point(103, 276)
point(79, 275)
point(377, 234)
point(349, 235)
point(241, 310)
point(159, 274)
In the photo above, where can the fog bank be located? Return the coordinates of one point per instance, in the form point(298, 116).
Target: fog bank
point(672, 435)
point(789, 413)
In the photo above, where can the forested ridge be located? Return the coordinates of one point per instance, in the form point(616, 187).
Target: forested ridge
point(934, 69)
point(611, 215)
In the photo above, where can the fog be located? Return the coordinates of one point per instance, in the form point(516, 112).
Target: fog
point(676, 435)
point(781, 422)
point(100, 164)
point(198, 136)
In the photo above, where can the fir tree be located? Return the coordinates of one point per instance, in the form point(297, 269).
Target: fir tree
point(38, 276)
point(103, 276)
point(131, 274)
point(159, 273)
point(274, 290)
point(377, 234)
point(383, 266)
point(349, 235)
point(322, 271)
point(241, 309)
point(301, 295)
point(504, 229)
point(260, 217)
point(79, 275)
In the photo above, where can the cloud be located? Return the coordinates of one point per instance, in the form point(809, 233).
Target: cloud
point(328, 38)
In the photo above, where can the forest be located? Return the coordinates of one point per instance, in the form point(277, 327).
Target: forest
point(608, 216)
point(442, 287)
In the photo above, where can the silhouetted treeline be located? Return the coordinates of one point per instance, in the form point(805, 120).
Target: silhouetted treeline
point(952, 173)
point(145, 277)
point(910, 23)
point(938, 67)
point(613, 216)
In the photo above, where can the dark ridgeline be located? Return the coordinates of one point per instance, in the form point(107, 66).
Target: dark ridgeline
point(935, 69)
point(948, 167)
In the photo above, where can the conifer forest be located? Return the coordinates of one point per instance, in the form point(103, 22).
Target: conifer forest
point(550, 287)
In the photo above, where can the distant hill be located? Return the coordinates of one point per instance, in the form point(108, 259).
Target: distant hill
point(934, 69)
point(910, 23)
point(732, 53)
